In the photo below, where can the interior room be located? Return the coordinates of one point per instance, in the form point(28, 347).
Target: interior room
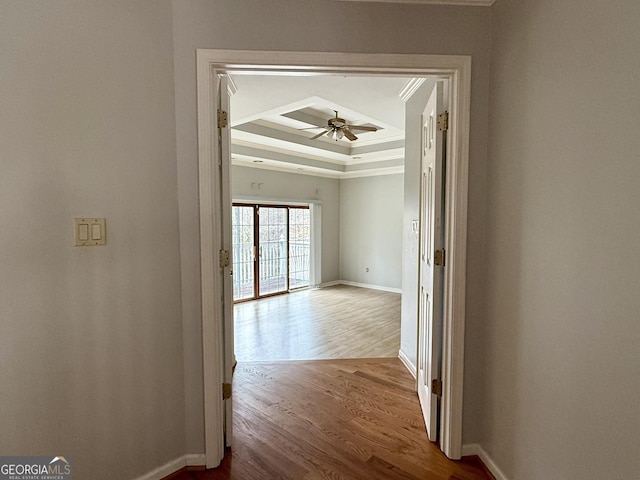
point(283, 158)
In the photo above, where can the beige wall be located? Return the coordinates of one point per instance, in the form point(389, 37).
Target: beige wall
point(312, 26)
point(90, 338)
point(562, 333)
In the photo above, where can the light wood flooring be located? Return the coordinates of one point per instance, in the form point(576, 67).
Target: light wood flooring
point(340, 321)
point(330, 419)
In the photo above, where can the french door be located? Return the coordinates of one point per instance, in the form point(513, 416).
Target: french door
point(271, 249)
point(431, 268)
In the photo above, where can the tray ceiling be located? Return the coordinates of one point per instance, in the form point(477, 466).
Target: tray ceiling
point(274, 118)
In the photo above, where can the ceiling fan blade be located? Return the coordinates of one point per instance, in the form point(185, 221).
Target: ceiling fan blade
point(309, 128)
point(364, 128)
point(318, 135)
point(349, 135)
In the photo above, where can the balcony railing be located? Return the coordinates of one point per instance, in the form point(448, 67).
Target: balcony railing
point(272, 267)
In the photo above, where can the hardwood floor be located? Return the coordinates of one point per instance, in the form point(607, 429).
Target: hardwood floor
point(330, 419)
point(338, 417)
point(332, 322)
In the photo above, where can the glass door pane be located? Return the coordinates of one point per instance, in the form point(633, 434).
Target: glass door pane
point(272, 250)
point(299, 247)
point(242, 221)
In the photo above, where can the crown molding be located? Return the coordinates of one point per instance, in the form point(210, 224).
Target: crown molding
point(232, 88)
point(469, 3)
point(410, 88)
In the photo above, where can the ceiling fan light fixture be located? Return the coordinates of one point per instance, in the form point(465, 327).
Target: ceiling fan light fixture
point(337, 128)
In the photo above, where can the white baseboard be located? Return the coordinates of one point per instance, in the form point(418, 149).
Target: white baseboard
point(407, 363)
point(476, 449)
point(361, 285)
point(173, 466)
point(196, 459)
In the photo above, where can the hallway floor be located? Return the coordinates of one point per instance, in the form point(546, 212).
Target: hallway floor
point(331, 419)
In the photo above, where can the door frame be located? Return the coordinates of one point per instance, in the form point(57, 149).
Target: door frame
point(210, 63)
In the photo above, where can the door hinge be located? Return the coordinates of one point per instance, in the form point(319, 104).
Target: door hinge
point(224, 258)
point(222, 119)
point(226, 391)
point(436, 387)
point(440, 258)
point(443, 122)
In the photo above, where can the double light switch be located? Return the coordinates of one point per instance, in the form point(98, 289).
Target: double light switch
point(90, 232)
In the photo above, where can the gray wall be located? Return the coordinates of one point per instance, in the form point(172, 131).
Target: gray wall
point(354, 27)
point(91, 343)
point(292, 186)
point(361, 219)
point(562, 335)
point(88, 128)
point(90, 337)
point(371, 230)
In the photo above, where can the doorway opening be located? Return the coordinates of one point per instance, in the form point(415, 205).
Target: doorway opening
point(217, 346)
point(336, 141)
point(287, 149)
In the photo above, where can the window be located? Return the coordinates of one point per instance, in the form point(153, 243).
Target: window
point(271, 249)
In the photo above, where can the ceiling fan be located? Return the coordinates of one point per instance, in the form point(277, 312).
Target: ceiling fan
point(338, 127)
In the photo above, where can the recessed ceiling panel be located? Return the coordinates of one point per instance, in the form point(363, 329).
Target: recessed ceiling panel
point(321, 120)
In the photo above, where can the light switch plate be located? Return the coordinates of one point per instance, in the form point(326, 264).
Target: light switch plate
point(90, 231)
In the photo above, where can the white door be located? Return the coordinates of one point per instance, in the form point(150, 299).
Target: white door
point(431, 275)
point(226, 244)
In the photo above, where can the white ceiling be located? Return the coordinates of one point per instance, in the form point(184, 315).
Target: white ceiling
point(273, 119)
